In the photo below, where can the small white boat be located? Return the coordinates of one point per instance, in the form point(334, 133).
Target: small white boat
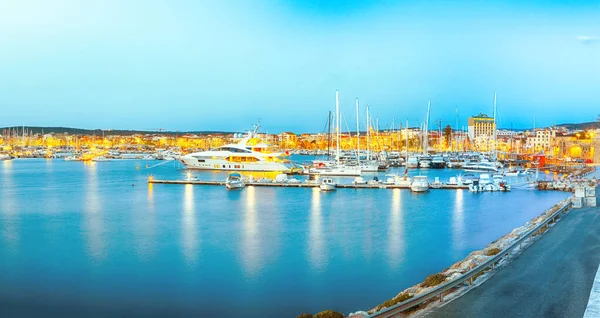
point(481, 167)
point(281, 178)
point(453, 181)
point(412, 162)
point(100, 159)
point(4, 157)
point(234, 181)
point(468, 178)
point(359, 180)
point(419, 184)
point(425, 162)
point(436, 184)
point(72, 158)
point(327, 184)
point(374, 181)
point(403, 181)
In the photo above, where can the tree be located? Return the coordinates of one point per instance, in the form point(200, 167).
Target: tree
point(447, 135)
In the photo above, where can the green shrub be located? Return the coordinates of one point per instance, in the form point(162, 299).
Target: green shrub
point(398, 299)
point(492, 251)
point(433, 280)
point(305, 316)
point(329, 314)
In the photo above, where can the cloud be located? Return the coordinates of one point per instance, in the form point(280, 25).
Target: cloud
point(587, 38)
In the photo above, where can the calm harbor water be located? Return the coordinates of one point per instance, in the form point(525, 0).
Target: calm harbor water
point(94, 239)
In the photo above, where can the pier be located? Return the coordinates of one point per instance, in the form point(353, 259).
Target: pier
point(304, 185)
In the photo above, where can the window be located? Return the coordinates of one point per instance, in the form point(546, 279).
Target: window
point(201, 160)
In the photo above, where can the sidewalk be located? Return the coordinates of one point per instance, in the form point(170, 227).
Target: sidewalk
point(593, 307)
point(552, 278)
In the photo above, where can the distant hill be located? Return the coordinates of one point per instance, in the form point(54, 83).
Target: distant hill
point(581, 126)
point(108, 132)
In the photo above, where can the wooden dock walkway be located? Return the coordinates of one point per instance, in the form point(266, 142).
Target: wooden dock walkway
point(303, 185)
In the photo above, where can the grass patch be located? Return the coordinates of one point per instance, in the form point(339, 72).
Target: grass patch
point(433, 280)
point(492, 251)
point(329, 314)
point(398, 299)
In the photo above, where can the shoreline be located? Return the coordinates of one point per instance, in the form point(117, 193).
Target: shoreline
point(460, 268)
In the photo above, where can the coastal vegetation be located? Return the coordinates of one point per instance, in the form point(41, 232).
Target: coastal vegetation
point(433, 280)
point(398, 299)
point(492, 251)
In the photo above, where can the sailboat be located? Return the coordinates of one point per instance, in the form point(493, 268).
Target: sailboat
point(425, 160)
point(335, 168)
point(368, 165)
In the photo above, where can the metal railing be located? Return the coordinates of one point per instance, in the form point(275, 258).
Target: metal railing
point(490, 263)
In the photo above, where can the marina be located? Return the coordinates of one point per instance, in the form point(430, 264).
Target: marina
point(324, 244)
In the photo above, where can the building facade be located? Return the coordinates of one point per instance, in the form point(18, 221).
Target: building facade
point(481, 130)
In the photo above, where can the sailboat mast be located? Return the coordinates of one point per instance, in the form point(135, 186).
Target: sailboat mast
point(357, 135)
point(337, 126)
point(368, 134)
point(329, 136)
point(425, 147)
point(406, 136)
point(495, 130)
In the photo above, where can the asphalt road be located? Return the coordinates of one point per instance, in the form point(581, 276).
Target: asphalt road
point(552, 278)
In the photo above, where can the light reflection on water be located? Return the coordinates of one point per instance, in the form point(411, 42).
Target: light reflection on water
point(458, 222)
point(316, 241)
point(190, 239)
point(93, 218)
point(9, 205)
point(396, 230)
point(251, 248)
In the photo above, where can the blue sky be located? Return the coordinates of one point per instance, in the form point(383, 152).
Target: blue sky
point(220, 65)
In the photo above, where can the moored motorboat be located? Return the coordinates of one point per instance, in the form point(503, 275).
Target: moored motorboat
point(234, 181)
point(436, 184)
point(419, 184)
point(412, 162)
point(327, 184)
point(438, 162)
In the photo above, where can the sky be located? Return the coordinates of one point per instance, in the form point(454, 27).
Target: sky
point(221, 65)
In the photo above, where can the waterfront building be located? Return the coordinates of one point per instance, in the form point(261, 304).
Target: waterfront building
point(481, 129)
point(541, 140)
point(481, 126)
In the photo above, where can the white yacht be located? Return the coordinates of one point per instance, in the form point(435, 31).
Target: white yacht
point(438, 162)
point(327, 168)
point(327, 184)
point(234, 181)
point(412, 162)
point(238, 157)
point(425, 162)
point(419, 184)
point(4, 157)
point(481, 167)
